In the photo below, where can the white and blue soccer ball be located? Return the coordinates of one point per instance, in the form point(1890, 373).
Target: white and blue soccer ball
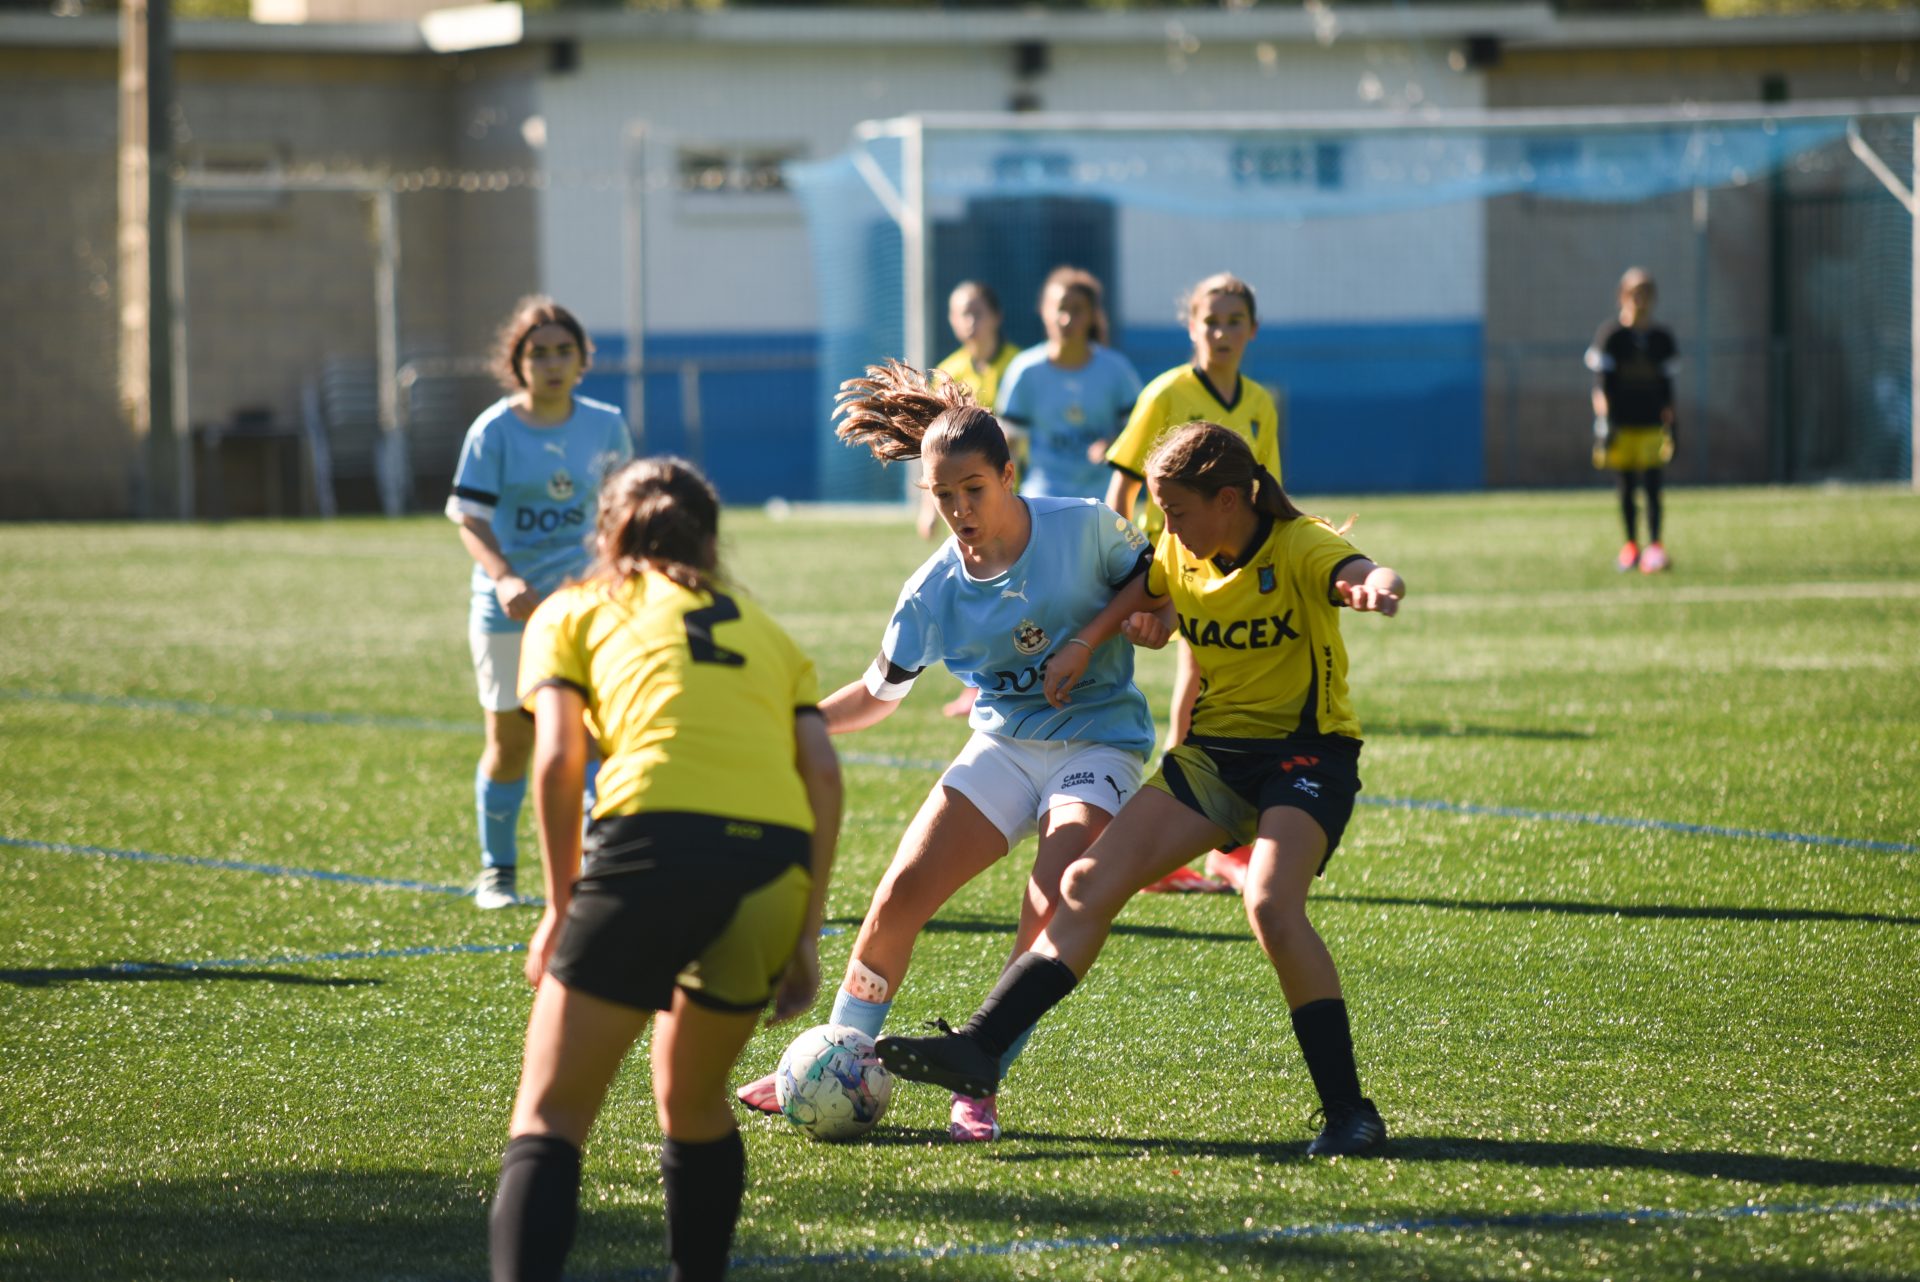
point(831, 1083)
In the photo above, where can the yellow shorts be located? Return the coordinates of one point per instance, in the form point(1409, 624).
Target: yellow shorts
point(698, 903)
point(1634, 449)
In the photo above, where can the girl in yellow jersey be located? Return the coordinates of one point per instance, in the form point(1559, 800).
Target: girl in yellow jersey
point(1221, 320)
point(1256, 587)
point(975, 315)
point(705, 864)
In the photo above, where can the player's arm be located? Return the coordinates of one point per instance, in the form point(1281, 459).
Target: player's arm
point(1068, 663)
point(1361, 585)
point(516, 596)
point(559, 776)
point(1122, 490)
point(1186, 692)
point(819, 768)
point(870, 699)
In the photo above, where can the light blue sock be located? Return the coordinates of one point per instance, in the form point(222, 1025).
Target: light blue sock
point(1013, 1051)
point(498, 806)
point(864, 1015)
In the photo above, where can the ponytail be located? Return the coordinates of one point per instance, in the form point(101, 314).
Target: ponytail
point(658, 514)
point(1207, 458)
point(899, 413)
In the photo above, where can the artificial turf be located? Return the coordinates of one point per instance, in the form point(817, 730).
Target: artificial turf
point(1629, 924)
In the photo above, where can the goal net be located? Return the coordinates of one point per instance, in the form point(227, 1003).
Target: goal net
point(1427, 286)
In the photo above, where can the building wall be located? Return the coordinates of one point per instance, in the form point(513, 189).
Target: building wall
point(730, 275)
point(279, 287)
point(1553, 266)
point(64, 449)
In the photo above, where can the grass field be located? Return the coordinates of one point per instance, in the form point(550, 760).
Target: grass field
point(1630, 929)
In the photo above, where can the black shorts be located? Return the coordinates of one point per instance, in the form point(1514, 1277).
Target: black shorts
point(705, 904)
point(1233, 786)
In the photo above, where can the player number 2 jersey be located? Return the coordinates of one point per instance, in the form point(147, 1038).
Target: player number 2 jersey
point(1266, 636)
point(691, 696)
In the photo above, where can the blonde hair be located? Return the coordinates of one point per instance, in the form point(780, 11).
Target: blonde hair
point(1219, 283)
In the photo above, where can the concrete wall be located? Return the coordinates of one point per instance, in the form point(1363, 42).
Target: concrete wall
point(1553, 266)
point(279, 287)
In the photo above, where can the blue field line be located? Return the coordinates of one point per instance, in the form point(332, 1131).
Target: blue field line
point(193, 708)
point(922, 763)
point(308, 959)
point(1647, 825)
point(1295, 1233)
point(242, 865)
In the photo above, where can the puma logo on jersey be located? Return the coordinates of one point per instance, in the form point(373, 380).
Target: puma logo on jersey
point(1241, 634)
point(554, 447)
point(1015, 594)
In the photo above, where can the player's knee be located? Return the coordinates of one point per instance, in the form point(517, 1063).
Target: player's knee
point(1279, 919)
point(1089, 886)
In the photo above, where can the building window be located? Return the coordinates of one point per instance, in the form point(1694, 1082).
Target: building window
point(735, 169)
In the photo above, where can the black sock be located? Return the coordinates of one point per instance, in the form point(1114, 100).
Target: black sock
point(1629, 514)
point(705, 1182)
point(1028, 989)
point(1327, 1042)
point(1653, 505)
point(531, 1228)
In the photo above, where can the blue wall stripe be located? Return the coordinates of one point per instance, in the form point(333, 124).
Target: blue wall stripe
point(1302, 1232)
point(1678, 827)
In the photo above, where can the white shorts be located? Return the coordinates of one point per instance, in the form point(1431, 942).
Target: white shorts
point(496, 667)
point(1015, 782)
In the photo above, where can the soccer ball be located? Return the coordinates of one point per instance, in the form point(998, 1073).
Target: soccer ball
point(831, 1084)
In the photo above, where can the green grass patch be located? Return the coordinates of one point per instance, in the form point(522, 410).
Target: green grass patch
point(1616, 1050)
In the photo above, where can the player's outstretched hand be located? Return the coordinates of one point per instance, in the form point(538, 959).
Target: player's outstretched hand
point(1064, 670)
point(1145, 628)
point(540, 949)
point(1370, 597)
point(799, 984)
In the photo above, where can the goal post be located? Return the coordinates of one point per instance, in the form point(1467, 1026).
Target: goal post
point(1427, 283)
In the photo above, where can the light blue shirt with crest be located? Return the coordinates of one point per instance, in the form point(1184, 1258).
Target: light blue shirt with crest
point(1064, 411)
point(537, 488)
point(998, 633)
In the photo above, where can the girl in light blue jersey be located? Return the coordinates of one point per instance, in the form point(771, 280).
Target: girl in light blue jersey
point(1072, 394)
point(523, 497)
point(1010, 590)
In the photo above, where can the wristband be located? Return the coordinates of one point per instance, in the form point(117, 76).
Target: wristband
point(1077, 641)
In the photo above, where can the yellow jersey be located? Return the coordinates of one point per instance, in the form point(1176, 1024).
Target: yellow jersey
point(985, 384)
point(1183, 395)
point(691, 696)
point(1266, 636)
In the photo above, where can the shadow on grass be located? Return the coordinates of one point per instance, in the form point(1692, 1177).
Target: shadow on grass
point(1139, 930)
point(152, 972)
point(306, 1226)
point(255, 1224)
point(1758, 1168)
point(1452, 730)
point(1578, 909)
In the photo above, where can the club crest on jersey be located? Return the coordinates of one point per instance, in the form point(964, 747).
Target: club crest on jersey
point(1029, 637)
point(560, 485)
point(1266, 578)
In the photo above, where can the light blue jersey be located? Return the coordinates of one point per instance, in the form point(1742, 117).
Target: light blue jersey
point(997, 634)
point(1064, 411)
point(537, 487)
